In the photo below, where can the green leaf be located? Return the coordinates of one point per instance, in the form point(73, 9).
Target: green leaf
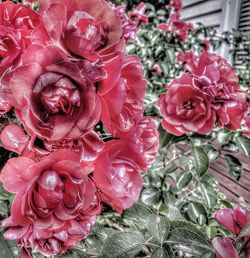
point(170, 53)
point(8, 249)
point(102, 232)
point(174, 213)
point(139, 214)
point(235, 168)
point(224, 136)
point(212, 153)
point(195, 210)
point(3, 208)
point(189, 241)
point(164, 252)
point(93, 244)
point(158, 227)
point(245, 231)
point(70, 254)
point(243, 143)
point(122, 245)
point(209, 254)
point(211, 232)
point(170, 168)
point(209, 193)
point(200, 159)
point(150, 196)
point(230, 147)
point(154, 179)
point(178, 223)
point(184, 180)
point(165, 138)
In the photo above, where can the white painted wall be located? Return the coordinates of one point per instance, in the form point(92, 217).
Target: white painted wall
point(223, 15)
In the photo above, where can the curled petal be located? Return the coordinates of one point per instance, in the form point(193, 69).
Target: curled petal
point(224, 248)
point(13, 138)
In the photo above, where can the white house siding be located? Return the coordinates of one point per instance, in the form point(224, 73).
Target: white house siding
point(244, 26)
point(223, 15)
point(207, 12)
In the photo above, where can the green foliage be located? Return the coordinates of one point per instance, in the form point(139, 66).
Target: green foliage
point(201, 160)
point(234, 166)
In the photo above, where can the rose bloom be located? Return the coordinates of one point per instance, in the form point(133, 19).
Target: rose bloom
point(122, 94)
point(55, 204)
point(176, 4)
point(185, 108)
point(212, 69)
point(215, 76)
point(176, 26)
point(145, 137)
point(53, 97)
point(117, 174)
point(82, 28)
point(19, 27)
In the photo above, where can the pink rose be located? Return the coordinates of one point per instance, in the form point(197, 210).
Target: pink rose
point(122, 94)
point(176, 4)
point(224, 248)
point(215, 76)
point(185, 108)
point(145, 137)
point(177, 26)
point(53, 97)
point(117, 174)
point(138, 14)
point(55, 205)
point(82, 28)
point(19, 27)
point(211, 69)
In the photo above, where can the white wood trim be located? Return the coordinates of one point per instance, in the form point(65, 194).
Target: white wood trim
point(229, 20)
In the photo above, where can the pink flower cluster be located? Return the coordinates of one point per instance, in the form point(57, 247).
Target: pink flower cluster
point(207, 94)
point(233, 220)
point(175, 24)
point(64, 72)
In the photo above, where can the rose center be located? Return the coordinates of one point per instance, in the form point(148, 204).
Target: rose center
point(59, 99)
point(96, 34)
point(188, 105)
